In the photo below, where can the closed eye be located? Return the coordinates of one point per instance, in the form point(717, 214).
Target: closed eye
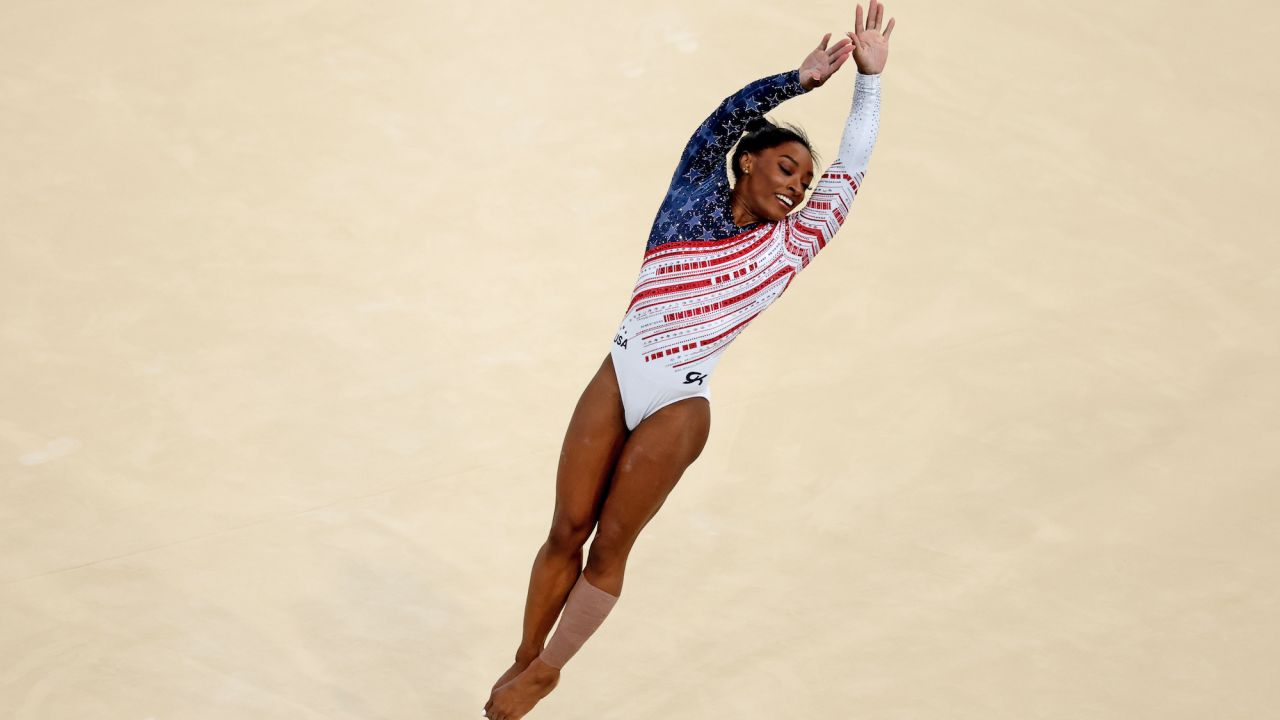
point(789, 172)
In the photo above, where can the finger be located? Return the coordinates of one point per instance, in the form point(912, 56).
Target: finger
point(853, 38)
point(879, 15)
point(840, 45)
point(888, 29)
point(857, 21)
point(840, 62)
point(823, 45)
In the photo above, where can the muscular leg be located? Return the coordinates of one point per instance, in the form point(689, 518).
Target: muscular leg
point(590, 450)
point(652, 460)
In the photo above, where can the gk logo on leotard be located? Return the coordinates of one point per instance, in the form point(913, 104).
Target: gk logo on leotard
point(693, 377)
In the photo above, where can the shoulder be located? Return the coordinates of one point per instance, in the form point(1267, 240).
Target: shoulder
point(694, 212)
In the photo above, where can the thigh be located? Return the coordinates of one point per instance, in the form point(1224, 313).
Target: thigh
point(592, 443)
point(652, 461)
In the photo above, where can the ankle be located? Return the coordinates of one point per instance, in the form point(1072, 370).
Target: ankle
point(541, 670)
point(526, 655)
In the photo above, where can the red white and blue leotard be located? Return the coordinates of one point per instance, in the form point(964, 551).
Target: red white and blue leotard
point(704, 279)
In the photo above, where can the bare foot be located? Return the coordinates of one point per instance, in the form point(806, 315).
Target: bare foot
point(518, 696)
point(516, 668)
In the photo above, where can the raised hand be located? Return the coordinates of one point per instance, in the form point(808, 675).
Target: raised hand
point(870, 45)
point(823, 62)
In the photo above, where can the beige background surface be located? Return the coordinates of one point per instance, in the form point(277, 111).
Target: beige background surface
point(296, 299)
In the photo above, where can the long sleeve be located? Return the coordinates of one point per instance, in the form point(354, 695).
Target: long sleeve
point(705, 152)
point(696, 206)
point(810, 229)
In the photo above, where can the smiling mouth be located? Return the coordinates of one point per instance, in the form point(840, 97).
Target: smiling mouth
point(786, 201)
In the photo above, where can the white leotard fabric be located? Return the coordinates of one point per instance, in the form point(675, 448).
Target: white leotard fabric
point(693, 297)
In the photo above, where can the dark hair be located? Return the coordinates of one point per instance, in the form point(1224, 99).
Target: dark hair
point(761, 134)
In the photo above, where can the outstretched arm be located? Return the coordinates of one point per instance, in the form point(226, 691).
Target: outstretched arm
point(704, 154)
point(828, 207)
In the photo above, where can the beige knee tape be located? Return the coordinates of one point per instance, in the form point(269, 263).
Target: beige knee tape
point(583, 612)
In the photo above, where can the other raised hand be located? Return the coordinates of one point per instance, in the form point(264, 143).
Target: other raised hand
point(823, 62)
point(870, 44)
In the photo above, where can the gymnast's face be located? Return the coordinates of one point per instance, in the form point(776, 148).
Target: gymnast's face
point(774, 180)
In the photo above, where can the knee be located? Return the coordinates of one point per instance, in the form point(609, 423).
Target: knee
point(569, 534)
point(609, 549)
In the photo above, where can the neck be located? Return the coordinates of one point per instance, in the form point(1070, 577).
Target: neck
point(741, 215)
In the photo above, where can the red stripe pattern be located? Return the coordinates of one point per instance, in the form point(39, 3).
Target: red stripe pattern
point(694, 297)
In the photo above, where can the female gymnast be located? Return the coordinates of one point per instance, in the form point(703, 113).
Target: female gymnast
point(716, 258)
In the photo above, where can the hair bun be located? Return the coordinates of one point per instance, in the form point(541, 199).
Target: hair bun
point(758, 124)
